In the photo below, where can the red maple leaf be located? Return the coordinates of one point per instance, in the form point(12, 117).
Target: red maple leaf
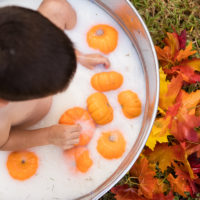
point(183, 128)
point(182, 39)
point(194, 162)
point(124, 192)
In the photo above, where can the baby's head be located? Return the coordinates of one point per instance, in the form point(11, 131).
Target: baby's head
point(36, 58)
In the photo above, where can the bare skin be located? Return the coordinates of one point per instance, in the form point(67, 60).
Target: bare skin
point(15, 117)
point(63, 16)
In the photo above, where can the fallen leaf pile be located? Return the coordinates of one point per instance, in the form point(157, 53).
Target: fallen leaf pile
point(169, 165)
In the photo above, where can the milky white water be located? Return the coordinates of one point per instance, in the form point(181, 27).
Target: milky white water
point(54, 178)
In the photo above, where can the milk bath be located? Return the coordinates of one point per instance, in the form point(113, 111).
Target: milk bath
point(55, 178)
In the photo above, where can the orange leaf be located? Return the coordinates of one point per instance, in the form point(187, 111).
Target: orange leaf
point(193, 63)
point(182, 183)
point(179, 185)
point(174, 87)
point(145, 175)
point(184, 54)
point(173, 42)
point(161, 196)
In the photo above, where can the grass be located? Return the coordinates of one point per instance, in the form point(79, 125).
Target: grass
point(163, 16)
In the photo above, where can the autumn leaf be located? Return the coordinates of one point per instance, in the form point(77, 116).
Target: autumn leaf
point(169, 98)
point(164, 155)
point(193, 63)
point(188, 73)
point(190, 102)
point(124, 192)
point(161, 196)
point(183, 119)
point(191, 148)
point(167, 54)
point(194, 162)
point(145, 175)
point(172, 42)
point(182, 39)
point(179, 185)
point(158, 133)
point(185, 53)
point(182, 183)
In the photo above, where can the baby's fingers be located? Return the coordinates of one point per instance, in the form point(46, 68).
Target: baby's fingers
point(105, 62)
point(74, 128)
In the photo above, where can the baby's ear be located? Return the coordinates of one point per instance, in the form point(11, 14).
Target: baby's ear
point(3, 103)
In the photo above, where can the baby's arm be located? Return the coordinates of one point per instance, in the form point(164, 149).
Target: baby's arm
point(63, 15)
point(91, 60)
point(61, 135)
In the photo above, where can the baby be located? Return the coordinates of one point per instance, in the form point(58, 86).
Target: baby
point(37, 60)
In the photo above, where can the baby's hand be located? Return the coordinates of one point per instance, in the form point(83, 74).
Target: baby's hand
point(64, 136)
point(59, 12)
point(92, 60)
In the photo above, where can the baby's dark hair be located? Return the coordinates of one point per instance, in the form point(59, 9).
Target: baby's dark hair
point(36, 58)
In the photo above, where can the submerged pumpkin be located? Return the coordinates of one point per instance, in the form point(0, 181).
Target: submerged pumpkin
point(111, 144)
point(81, 155)
point(22, 165)
point(106, 81)
point(130, 103)
point(80, 116)
point(99, 108)
point(102, 37)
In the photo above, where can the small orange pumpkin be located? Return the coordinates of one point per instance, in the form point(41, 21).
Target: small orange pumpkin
point(99, 108)
point(81, 155)
point(102, 37)
point(130, 103)
point(106, 81)
point(80, 116)
point(22, 165)
point(111, 144)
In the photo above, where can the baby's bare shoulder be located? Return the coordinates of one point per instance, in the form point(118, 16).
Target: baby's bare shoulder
point(60, 12)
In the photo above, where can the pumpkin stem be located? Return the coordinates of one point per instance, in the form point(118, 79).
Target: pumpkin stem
point(113, 138)
point(23, 161)
point(99, 32)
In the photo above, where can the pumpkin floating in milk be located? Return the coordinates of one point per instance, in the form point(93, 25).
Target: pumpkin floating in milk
point(106, 81)
point(130, 103)
point(81, 155)
point(111, 144)
point(102, 37)
point(80, 116)
point(22, 165)
point(99, 108)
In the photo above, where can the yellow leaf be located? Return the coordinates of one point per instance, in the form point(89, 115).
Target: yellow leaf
point(194, 63)
point(158, 133)
point(163, 89)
